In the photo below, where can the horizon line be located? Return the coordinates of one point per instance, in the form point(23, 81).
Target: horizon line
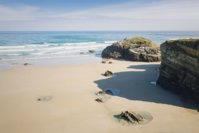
point(99, 31)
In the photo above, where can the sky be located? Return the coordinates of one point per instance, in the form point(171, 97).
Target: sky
point(103, 15)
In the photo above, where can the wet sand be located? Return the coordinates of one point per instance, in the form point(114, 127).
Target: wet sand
point(60, 99)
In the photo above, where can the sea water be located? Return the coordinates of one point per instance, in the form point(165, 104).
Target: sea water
point(62, 46)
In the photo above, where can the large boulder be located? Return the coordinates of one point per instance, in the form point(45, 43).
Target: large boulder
point(113, 51)
point(133, 49)
point(179, 69)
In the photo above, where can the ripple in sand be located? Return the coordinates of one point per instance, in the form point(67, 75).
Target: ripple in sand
point(44, 98)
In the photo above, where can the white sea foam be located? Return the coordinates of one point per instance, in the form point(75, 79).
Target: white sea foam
point(177, 38)
point(49, 50)
point(110, 42)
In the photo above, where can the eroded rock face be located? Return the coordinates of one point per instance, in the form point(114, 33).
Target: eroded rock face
point(179, 69)
point(133, 49)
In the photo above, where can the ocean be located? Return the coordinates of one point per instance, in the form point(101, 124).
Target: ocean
point(22, 46)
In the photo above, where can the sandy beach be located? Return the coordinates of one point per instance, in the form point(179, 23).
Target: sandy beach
point(60, 99)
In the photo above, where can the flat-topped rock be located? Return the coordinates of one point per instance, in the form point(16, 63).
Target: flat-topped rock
point(133, 49)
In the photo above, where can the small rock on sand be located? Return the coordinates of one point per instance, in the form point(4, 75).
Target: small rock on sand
point(91, 51)
point(102, 96)
point(109, 92)
point(44, 98)
point(26, 64)
point(108, 73)
point(103, 62)
point(99, 100)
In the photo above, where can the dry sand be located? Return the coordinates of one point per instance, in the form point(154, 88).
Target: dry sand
point(61, 99)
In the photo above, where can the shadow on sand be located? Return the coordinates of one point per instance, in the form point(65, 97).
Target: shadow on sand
point(135, 85)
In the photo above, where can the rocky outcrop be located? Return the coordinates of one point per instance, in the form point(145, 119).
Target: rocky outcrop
point(179, 69)
point(133, 49)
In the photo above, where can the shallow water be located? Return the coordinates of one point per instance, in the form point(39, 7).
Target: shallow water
point(46, 46)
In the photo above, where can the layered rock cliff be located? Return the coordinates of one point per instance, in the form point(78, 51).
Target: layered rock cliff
point(133, 49)
point(179, 69)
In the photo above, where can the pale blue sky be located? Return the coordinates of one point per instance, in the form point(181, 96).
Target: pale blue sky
point(69, 15)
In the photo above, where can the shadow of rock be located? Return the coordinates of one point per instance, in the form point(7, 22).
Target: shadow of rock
point(146, 67)
point(135, 85)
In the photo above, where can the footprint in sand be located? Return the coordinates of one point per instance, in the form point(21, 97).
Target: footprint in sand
point(44, 98)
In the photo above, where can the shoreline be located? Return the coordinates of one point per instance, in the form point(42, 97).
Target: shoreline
point(76, 60)
point(67, 99)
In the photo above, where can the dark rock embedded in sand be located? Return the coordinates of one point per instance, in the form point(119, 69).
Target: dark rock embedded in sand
point(130, 117)
point(179, 69)
point(140, 117)
point(44, 98)
point(103, 61)
point(110, 62)
point(26, 64)
point(133, 49)
point(99, 100)
point(91, 51)
point(102, 96)
point(109, 92)
point(108, 74)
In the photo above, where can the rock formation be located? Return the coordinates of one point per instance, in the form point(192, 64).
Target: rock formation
point(179, 69)
point(133, 49)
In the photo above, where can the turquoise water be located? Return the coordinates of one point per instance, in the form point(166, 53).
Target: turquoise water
point(47, 45)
